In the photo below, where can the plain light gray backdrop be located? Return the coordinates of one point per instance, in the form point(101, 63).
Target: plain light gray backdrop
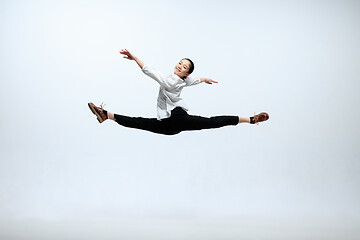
point(63, 175)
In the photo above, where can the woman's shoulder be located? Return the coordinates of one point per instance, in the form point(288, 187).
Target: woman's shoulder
point(190, 80)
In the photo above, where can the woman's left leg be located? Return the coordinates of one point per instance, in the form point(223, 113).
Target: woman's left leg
point(186, 122)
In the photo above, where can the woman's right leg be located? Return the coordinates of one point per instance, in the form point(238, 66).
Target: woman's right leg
point(148, 124)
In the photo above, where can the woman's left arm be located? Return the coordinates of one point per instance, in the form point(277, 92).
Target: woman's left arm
point(207, 80)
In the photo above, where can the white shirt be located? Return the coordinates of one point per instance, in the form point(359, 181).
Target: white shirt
point(170, 90)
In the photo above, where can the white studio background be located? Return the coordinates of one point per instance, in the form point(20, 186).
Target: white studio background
point(63, 175)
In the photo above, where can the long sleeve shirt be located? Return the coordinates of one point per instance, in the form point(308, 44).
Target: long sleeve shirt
point(170, 90)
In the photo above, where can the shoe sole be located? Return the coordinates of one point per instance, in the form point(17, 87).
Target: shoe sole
point(99, 118)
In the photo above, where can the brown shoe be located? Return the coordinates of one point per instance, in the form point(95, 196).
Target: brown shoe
point(260, 118)
point(98, 111)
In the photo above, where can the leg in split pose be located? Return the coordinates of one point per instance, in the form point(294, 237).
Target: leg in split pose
point(172, 117)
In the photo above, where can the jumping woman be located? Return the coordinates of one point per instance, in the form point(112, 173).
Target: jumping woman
point(172, 117)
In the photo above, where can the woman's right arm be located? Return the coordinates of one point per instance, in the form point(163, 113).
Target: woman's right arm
point(129, 56)
point(149, 71)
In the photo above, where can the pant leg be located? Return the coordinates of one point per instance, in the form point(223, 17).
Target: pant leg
point(148, 124)
point(186, 122)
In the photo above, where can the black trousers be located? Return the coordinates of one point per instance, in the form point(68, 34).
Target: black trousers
point(179, 121)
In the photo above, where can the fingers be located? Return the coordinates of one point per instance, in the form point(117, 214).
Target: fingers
point(123, 52)
point(127, 54)
point(210, 81)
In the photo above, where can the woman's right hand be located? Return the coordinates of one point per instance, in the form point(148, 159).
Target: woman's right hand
point(127, 54)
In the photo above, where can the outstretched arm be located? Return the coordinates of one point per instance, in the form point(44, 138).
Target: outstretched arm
point(129, 56)
point(207, 80)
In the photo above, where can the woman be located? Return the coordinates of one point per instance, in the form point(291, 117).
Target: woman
point(171, 109)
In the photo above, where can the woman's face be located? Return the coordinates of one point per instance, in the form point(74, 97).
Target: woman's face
point(182, 68)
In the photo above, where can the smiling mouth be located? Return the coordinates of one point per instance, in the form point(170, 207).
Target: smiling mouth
point(178, 69)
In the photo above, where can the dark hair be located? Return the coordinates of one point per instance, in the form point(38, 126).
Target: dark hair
point(191, 68)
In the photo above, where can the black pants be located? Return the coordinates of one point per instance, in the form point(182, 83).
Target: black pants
point(177, 122)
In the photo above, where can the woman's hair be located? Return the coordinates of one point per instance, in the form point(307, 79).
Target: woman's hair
point(191, 69)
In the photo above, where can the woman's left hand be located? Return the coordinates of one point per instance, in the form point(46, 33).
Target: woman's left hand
point(207, 80)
